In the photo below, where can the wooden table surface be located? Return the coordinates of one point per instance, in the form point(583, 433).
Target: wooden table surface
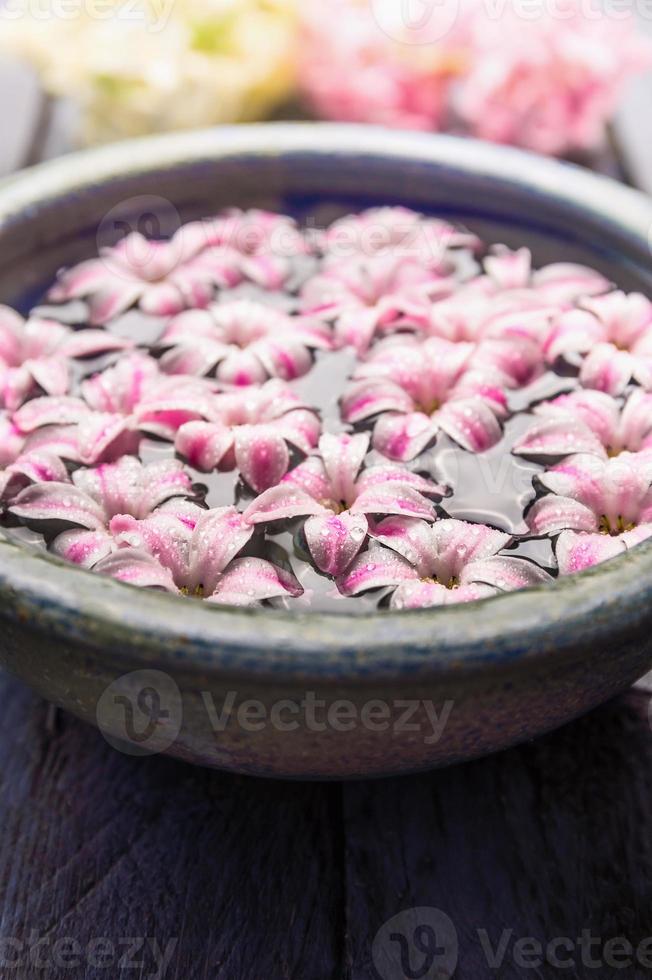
point(117, 867)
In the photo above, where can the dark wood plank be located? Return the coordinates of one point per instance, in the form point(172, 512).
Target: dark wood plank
point(243, 877)
point(546, 840)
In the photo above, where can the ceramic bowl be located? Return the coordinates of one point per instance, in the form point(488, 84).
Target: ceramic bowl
point(324, 695)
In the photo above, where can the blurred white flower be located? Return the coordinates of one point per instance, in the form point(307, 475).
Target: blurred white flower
point(157, 65)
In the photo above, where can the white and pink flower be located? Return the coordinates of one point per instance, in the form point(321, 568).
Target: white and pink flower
point(599, 507)
point(36, 355)
point(196, 554)
point(612, 336)
point(418, 389)
point(92, 497)
point(592, 422)
point(438, 564)
point(117, 406)
point(365, 295)
point(338, 496)
point(242, 342)
point(252, 430)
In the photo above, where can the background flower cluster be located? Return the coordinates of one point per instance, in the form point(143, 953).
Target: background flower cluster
point(547, 75)
point(106, 440)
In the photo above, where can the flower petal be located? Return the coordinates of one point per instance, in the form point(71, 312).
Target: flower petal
point(423, 595)
point(84, 548)
point(103, 437)
point(470, 422)
point(282, 502)
point(204, 444)
point(576, 552)
point(335, 540)
point(558, 436)
point(50, 411)
point(403, 437)
point(343, 455)
point(373, 396)
point(133, 567)
point(607, 369)
point(410, 537)
point(58, 502)
point(504, 573)
point(374, 569)
point(393, 498)
point(552, 514)
point(218, 537)
point(262, 455)
point(250, 580)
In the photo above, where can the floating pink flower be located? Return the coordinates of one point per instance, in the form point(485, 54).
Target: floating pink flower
point(117, 407)
point(613, 335)
point(337, 497)
point(364, 295)
point(21, 465)
point(607, 504)
point(396, 231)
point(510, 299)
point(36, 354)
point(243, 342)
point(94, 497)
point(421, 388)
point(438, 564)
point(263, 242)
point(589, 422)
point(251, 429)
point(196, 554)
point(162, 277)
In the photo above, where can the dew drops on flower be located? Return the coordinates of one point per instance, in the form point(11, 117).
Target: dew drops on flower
point(419, 420)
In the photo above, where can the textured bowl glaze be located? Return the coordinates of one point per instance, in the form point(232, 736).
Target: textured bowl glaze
point(496, 672)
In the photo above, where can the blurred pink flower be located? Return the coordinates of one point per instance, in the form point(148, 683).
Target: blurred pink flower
point(351, 71)
point(437, 564)
point(36, 353)
point(548, 80)
point(244, 342)
point(337, 497)
point(196, 554)
point(251, 430)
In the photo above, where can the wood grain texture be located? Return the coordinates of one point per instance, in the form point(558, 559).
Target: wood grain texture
point(259, 880)
point(245, 875)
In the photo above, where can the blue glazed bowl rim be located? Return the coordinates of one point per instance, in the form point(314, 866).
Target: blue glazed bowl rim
point(602, 605)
